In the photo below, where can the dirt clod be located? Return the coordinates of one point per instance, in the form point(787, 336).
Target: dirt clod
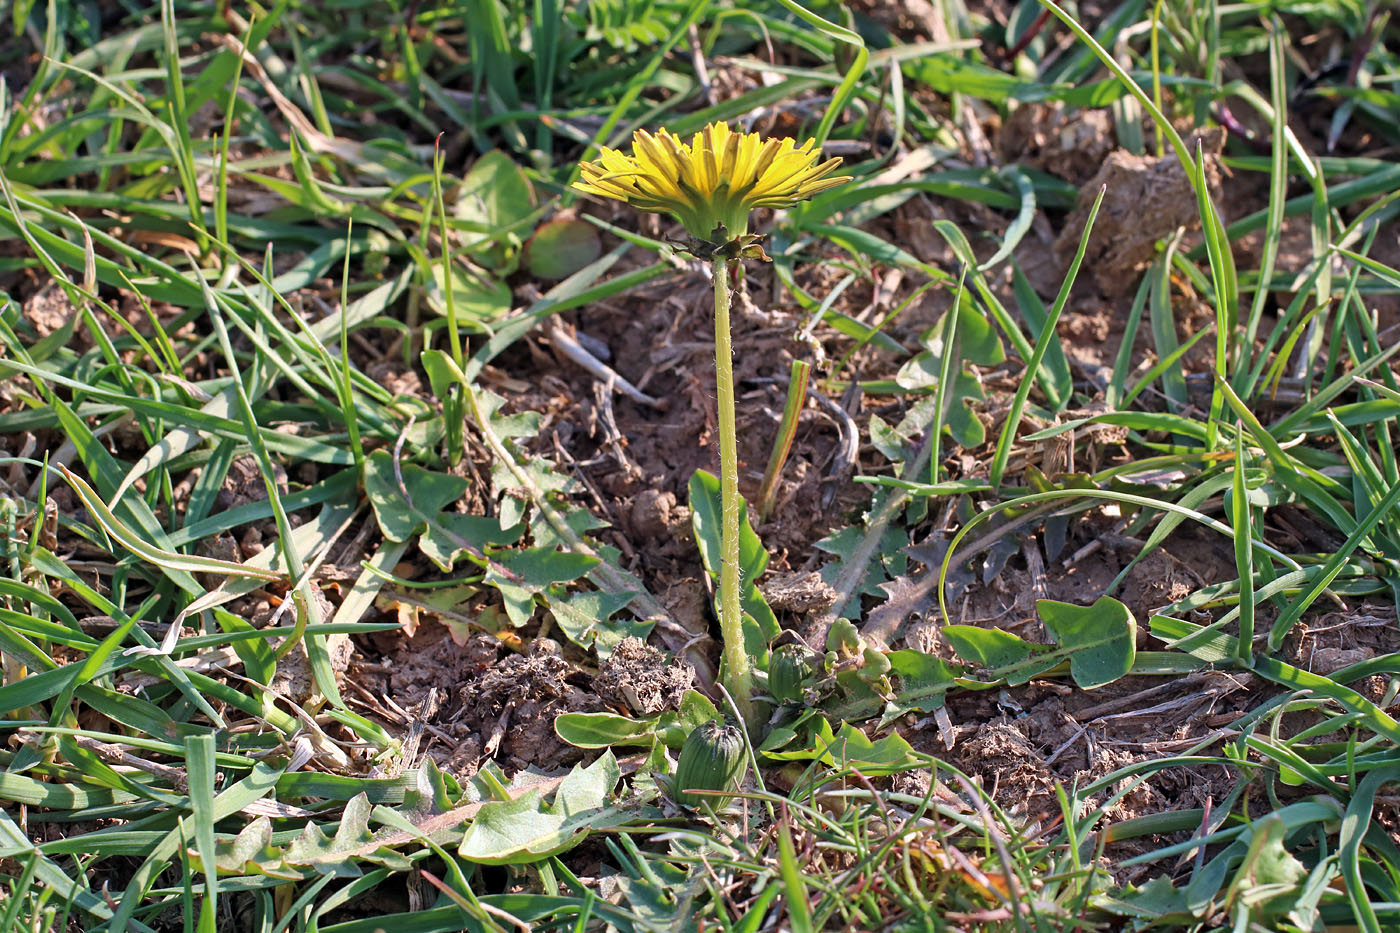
point(1049, 136)
point(642, 678)
point(244, 483)
point(48, 310)
point(656, 513)
point(1146, 199)
point(513, 706)
point(1328, 660)
point(798, 592)
point(1011, 768)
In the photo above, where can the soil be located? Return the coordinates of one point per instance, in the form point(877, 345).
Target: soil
point(462, 696)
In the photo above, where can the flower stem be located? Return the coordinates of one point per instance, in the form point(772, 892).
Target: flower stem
point(738, 672)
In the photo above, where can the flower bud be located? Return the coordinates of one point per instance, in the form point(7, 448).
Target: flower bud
point(789, 668)
point(712, 758)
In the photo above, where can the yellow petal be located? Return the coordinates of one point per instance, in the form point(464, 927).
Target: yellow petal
point(728, 169)
point(746, 162)
point(703, 155)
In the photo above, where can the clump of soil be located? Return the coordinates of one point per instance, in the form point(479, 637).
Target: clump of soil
point(471, 699)
point(430, 658)
point(1158, 579)
point(656, 514)
point(1070, 143)
point(642, 678)
point(244, 483)
point(1018, 778)
point(1147, 199)
point(798, 592)
point(514, 703)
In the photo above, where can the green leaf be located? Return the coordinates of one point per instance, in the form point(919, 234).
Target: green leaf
point(443, 374)
point(760, 624)
point(415, 508)
point(886, 756)
point(495, 192)
point(586, 618)
point(887, 560)
point(250, 853)
point(889, 441)
point(562, 247)
point(534, 569)
point(475, 296)
point(990, 648)
point(812, 739)
point(353, 840)
point(403, 510)
point(496, 202)
point(527, 830)
point(1101, 638)
point(1270, 873)
point(447, 536)
point(924, 682)
point(696, 709)
point(602, 730)
point(922, 371)
point(1157, 900)
point(806, 739)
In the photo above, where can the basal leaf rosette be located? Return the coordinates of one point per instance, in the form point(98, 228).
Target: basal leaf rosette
point(712, 182)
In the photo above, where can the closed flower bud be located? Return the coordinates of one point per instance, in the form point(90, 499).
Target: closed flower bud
point(789, 668)
point(712, 758)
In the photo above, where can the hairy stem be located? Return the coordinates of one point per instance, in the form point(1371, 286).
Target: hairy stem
point(738, 674)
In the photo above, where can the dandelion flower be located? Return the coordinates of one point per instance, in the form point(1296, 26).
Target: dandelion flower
point(711, 185)
point(713, 182)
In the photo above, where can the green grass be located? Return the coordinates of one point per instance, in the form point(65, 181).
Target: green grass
point(234, 211)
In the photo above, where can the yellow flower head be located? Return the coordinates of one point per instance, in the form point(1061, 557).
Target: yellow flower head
point(714, 181)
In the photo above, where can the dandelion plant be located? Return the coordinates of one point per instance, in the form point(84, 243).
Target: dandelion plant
point(711, 185)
